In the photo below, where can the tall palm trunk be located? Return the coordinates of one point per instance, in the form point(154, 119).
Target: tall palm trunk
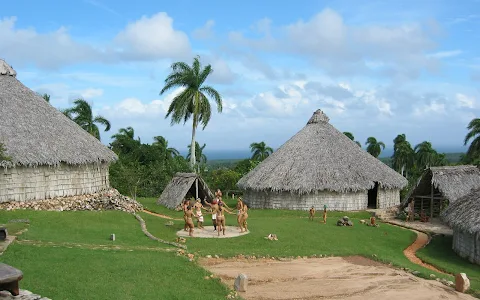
point(192, 145)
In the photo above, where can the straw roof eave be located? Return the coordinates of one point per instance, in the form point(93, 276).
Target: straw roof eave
point(35, 133)
point(464, 214)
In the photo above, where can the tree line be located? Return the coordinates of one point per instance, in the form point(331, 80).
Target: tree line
point(145, 169)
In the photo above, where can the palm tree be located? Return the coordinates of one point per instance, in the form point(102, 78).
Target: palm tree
point(474, 133)
point(162, 143)
point(192, 101)
point(374, 147)
point(350, 136)
point(440, 160)
point(124, 141)
point(82, 114)
point(199, 156)
point(425, 155)
point(46, 97)
point(403, 158)
point(260, 151)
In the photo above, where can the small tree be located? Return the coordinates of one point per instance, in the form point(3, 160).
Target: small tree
point(3, 156)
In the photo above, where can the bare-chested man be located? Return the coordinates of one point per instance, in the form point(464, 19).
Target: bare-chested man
point(198, 213)
point(219, 211)
point(213, 206)
point(185, 205)
point(324, 214)
point(312, 213)
point(189, 220)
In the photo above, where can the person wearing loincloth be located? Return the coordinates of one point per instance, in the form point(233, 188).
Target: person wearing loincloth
point(189, 215)
point(239, 211)
point(198, 213)
point(185, 205)
point(325, 214)
point(311, 213)
point(219, 211)
point(243, 218)
point(213, 206)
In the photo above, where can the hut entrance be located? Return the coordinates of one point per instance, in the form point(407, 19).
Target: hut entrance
point(372, 196)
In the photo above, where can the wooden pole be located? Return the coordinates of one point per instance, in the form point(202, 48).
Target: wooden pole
point(196, 189)
point(431, 202)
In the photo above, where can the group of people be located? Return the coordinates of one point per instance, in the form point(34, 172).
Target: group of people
point(217, 210)
point(312, 214)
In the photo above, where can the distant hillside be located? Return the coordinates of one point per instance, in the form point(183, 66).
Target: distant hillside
point(452, 158)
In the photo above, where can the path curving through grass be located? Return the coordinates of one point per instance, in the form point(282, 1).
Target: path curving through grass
point(159, 215)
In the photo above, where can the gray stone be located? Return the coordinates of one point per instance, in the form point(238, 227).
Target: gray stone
point(241, 283)
point(112, 236)
point(349, 223)
point(24, 295)
point(462, 283)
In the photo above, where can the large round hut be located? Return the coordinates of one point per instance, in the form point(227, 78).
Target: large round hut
point(463, 215)
point(321, 166)
point(49, 154)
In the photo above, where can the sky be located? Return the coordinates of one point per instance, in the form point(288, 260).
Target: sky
point(376, 68)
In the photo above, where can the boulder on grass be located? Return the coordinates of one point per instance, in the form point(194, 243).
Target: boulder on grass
point(241, 283)
point(462, 283)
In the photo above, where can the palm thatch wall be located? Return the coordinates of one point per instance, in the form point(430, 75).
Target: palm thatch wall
point(317, 161)
point(183, 186)
point(463, 215)
point(36, 135)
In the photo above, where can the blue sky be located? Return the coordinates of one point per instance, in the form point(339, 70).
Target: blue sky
point(377, 68)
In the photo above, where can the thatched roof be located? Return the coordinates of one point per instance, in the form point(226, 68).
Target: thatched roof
point(35, 133)
point(452, 181)
point(319, 157)
point(464, 213)
point(182, 185)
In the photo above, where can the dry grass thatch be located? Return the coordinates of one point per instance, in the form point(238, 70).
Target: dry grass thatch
point(35, 133)
point(182, 185)
point(464, 213)
point(317, 158)
point(452, 181)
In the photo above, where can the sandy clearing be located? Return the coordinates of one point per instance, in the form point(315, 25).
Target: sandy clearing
point(207, 232)
point(327, 278)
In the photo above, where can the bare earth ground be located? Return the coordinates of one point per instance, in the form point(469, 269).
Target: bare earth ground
point(207, 232)
point(327, 278)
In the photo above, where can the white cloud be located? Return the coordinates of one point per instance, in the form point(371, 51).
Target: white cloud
point(446, 54)
point(152, 38)
point(427, 109)
point(465, 101)
point(90, 93)
point(222, 73)
point(343, 49)
point(205, 32)
point(149, 38)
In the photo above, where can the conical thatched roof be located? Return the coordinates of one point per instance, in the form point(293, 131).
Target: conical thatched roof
point(181, 185)
point(452, 181)
point(35, 133)
point(319, 157)
point(464, 213)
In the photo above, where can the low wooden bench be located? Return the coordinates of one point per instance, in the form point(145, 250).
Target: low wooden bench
point(9, 278)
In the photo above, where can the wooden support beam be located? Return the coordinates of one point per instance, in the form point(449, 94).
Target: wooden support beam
point(431, 203)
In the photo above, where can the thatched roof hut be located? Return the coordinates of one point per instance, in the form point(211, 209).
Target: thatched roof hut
point(35, 133)
point(463, 215)
point(321, 159)
point(182, 186)
point(438, 185)
point(50, 154)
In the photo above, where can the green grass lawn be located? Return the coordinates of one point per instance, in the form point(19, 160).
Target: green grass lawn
point(439, 253)
point(62, 272)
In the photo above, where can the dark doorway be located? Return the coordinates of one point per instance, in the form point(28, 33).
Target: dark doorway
point(372, 196)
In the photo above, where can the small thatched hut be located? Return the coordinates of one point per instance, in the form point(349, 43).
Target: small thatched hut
point(184, 185)
point(463, 215)
point(50, 155)
point(439, 186)
point(321, 166)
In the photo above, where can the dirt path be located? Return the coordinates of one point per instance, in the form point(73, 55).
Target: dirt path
point(410, 252)
point(352, 278)
point(160, 215)
point(92, 246)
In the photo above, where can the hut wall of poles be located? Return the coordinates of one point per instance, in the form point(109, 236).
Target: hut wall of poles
point(467, 245)
point(43, 182)
point(335, 201)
